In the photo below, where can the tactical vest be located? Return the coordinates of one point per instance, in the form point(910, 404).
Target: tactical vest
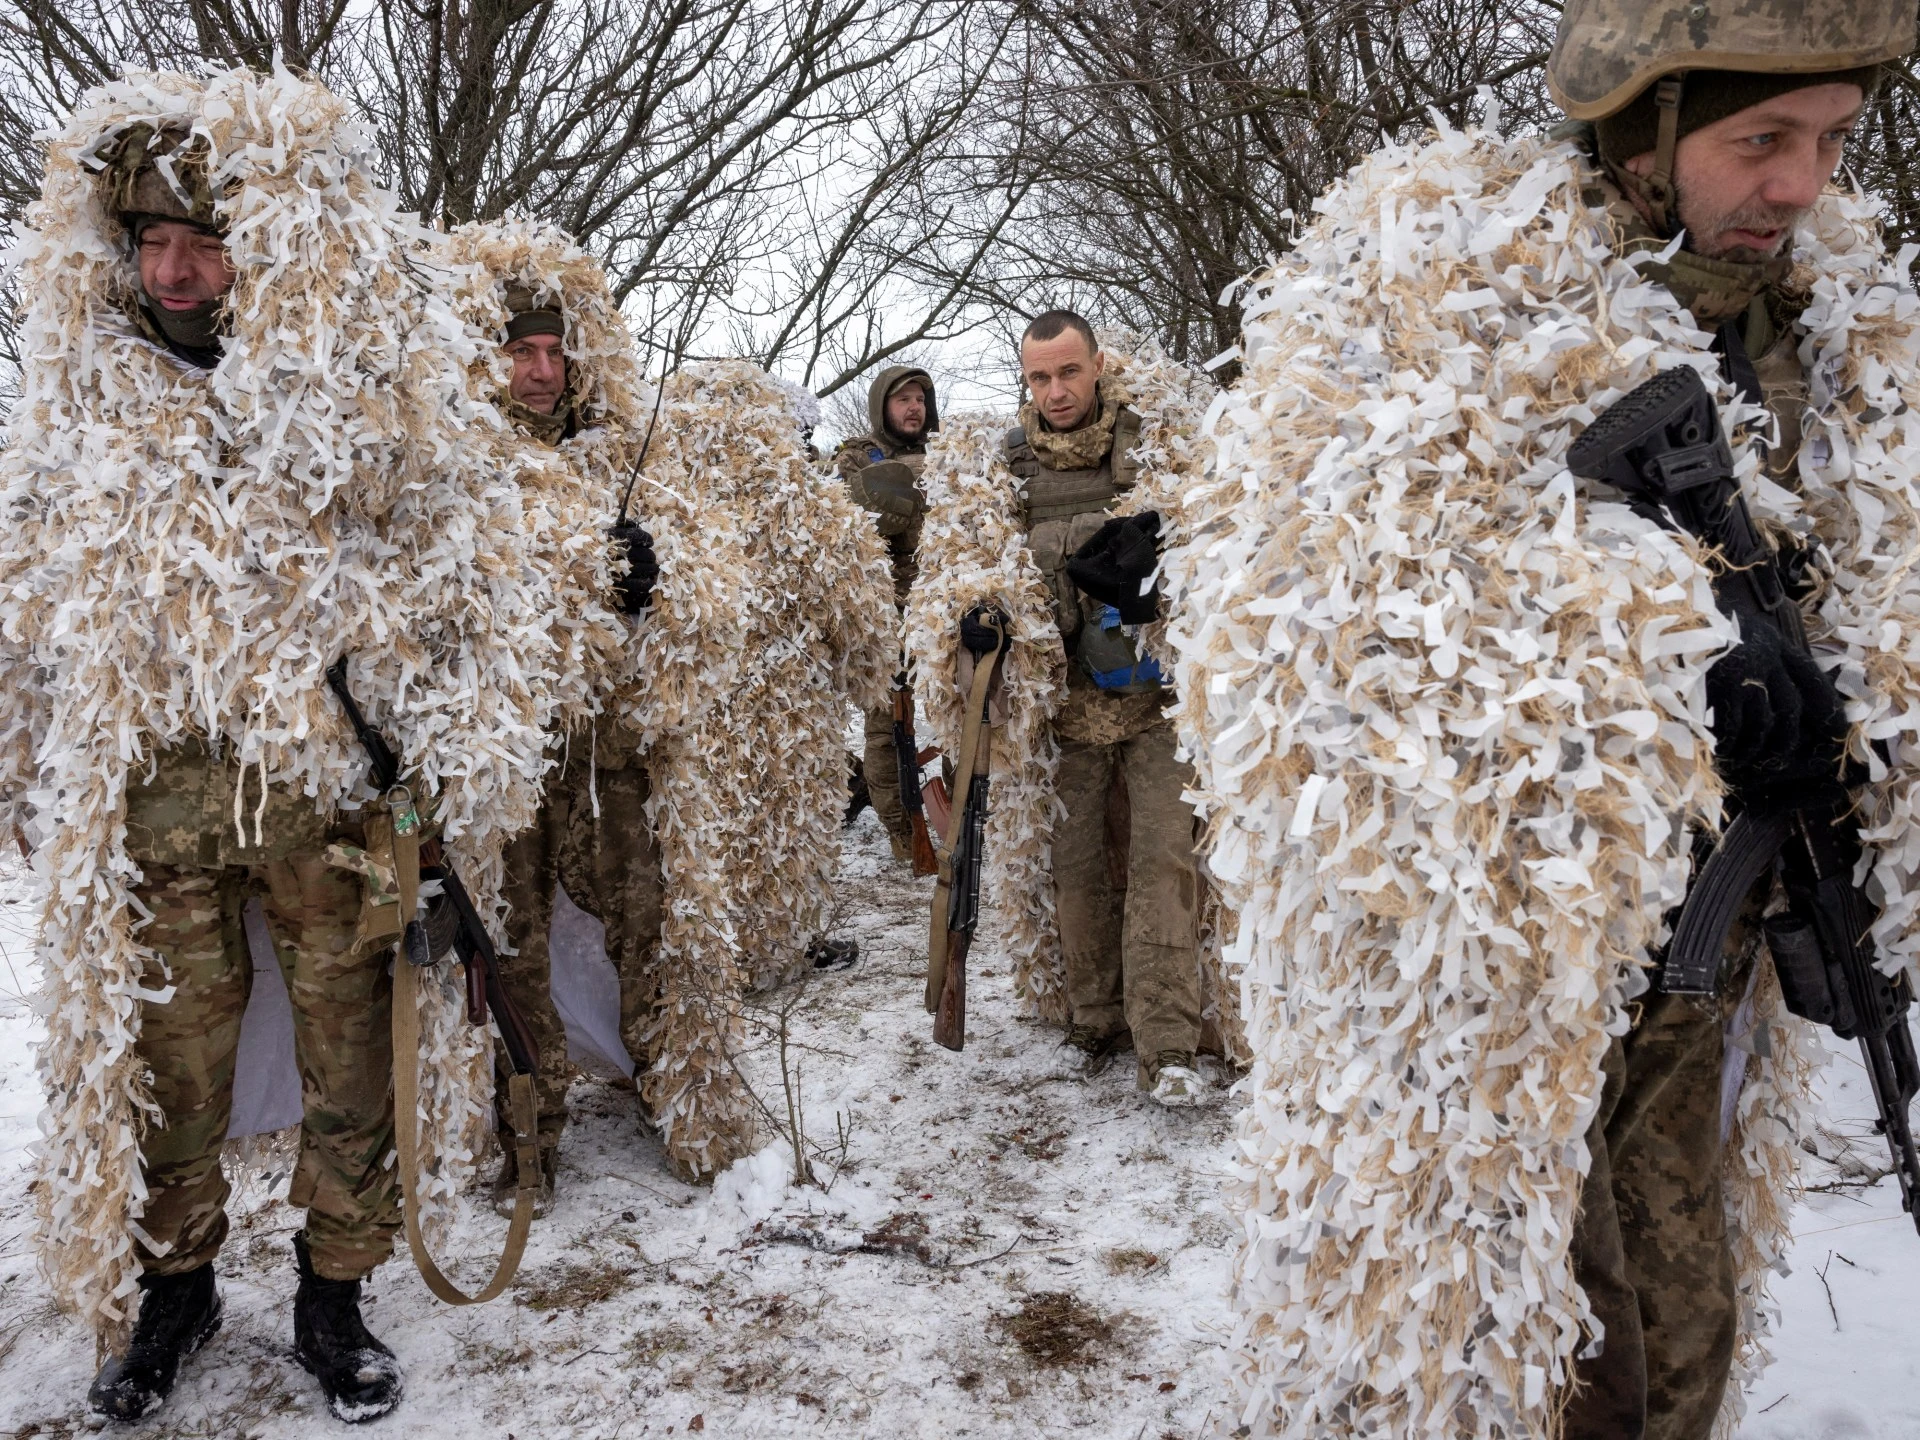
point(1061, 510)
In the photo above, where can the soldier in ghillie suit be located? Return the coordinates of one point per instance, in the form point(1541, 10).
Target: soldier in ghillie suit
point(230, 467)
point(573, 391)
point(1092, 833)
point(882, 470)
point(1725, 140)
point(1467, 713)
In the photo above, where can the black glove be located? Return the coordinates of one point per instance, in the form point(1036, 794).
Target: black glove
point(1112, 566)
point(1776, 717)
point(633, 546)
point(977, 635)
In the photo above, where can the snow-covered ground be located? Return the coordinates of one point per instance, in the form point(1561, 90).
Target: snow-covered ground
point(1007, 1251)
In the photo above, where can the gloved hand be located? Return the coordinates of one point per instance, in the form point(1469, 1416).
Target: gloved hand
point(1776, 716)
point(1112, 566)
point(976, 635)
point(633, 546)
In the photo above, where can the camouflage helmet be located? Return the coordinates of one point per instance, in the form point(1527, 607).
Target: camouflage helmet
point(1609, 51)
point(156, 172)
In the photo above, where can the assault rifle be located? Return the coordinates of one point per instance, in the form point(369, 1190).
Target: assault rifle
point(956, 897)
point(1664, 448)
point(470, 942)
point(906, 751)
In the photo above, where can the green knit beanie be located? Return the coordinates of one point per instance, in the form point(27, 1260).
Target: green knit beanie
point(1707, 96)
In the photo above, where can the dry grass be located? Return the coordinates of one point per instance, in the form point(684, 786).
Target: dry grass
point(1131, 1261)
point(1056, 1328)
point(1031, 1144)
point(648, 1346)
point(575, 1287)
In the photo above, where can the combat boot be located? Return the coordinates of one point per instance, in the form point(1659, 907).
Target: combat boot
point(178, 1314)
point(1096, 1045)
point(506, 1187)
point(359, 1376)
point(828, 954)
point(1175, 1082)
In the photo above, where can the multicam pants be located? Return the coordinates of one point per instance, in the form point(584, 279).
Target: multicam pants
point(342, 1017)
point(1129, 924)
point(610, 867)
point(881, 765)
point(1651, 1247)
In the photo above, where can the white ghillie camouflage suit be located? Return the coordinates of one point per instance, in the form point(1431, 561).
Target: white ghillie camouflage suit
point(185, 550)
point(1449, 716)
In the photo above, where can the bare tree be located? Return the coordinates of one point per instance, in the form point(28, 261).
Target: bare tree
point(1885, 155)
point(1164, 147)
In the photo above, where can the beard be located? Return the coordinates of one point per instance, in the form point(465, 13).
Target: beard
point(1704, 230)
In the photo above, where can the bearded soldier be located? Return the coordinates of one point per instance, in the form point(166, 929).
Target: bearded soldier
point(882, 469)
point(571, 363)
point(242, 445)
point(1480, 652)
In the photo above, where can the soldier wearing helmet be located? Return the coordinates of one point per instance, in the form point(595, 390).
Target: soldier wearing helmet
point(1721, 125)
point(1502, 1173)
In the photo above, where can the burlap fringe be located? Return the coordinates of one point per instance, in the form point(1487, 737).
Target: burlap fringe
point(1448, 717)
point(185, 552)
point(973, 551)
point(747, 804)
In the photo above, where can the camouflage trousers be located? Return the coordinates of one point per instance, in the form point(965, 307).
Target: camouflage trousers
point(342, 996)
point(1650, 1247)
point(610, 867)
point(881, 765)
point(1128, 891)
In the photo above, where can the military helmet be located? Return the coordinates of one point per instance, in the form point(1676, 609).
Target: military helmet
point(1609, 51)
point(150, 172)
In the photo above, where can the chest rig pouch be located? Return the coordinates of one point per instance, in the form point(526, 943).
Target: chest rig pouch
point(1062, 510)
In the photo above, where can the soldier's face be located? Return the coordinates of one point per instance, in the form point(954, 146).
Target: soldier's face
point(907, 410)
point(183, 267)
point(1743, 183)
point(539, 372)
point(1061, 374)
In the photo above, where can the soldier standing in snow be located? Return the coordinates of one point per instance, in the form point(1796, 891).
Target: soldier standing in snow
point(1087, 825)
point(1729, 153)
point(592, 835)
point(1530, 1191)
point(240, 442)
point(1130, 953)
point(882, 468)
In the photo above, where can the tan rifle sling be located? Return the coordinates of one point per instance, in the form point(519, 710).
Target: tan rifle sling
point(406, 1095)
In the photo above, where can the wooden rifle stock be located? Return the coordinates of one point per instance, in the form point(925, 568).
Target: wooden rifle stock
point(950, 1017)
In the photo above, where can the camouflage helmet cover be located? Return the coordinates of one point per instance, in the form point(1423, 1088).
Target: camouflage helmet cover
point(157, 171)
point(1608, 51)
